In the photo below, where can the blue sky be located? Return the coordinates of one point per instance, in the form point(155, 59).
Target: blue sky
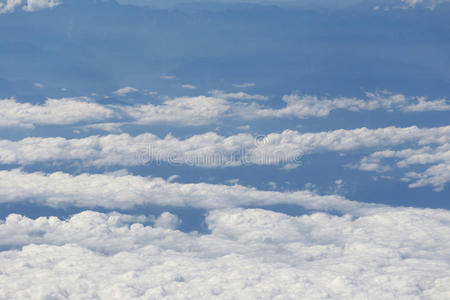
point(224, 124)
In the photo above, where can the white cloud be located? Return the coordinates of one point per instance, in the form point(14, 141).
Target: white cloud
point(118, 190)
point(172, 178)
point(126, 90)
point(34, 5)
point(204, 110)
point(192, 111)
point(210, 149)
point(38, 85)
point(245, 85)
point(182, 110)
point(438, 175)
point(53, 112)
point(237, 96)
point(9, 6)
point(312, 106)
point(424, 105)
point(188, 86)
point(29, 5)
point(167, 77)
point(167, 221)
point(253, 253)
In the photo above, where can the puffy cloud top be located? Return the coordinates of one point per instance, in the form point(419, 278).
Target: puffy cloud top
point(251, 253)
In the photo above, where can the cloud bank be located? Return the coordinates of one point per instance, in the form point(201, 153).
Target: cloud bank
point(127, 150)
point(65, 111)
point(210, 150)
point(208, 110)
point(251, 253)
point(124, 191)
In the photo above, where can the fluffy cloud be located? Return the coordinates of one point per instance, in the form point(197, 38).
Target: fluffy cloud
point(192, 111)
point(393, 254)
point(118, 190)
point(29, 5)
point(206, 110)
point(210, 149)
point(125, 90)
point(438, 175)
point(312, 106)
point(53, 112)
point(167, 221)
point(238, 96)
point(34, 5)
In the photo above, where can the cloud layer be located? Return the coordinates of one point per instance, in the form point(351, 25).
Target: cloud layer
point(126, 150)
point(286, 149)
point(206, 110)
point(249, 253)
point(119, 190)
point(65, 111)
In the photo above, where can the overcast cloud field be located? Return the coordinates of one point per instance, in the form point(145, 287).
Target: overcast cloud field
point(229, 149)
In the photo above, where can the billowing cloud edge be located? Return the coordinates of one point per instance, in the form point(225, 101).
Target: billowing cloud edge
point(401, 254)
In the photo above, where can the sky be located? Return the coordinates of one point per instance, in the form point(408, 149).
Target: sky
point(224, 149)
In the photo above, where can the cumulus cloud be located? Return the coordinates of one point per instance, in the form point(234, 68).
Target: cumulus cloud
point(87, 229)
point(28, 5)
point(438, 175)
point(34, 5)
point(53, 112)
point(237, 96)
point(210, 149)
point(220, 106)
point(184, 111)
point(312, 106)
point(125, 90)
point(251, 253)
point(167, 221)
point(118, 190)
